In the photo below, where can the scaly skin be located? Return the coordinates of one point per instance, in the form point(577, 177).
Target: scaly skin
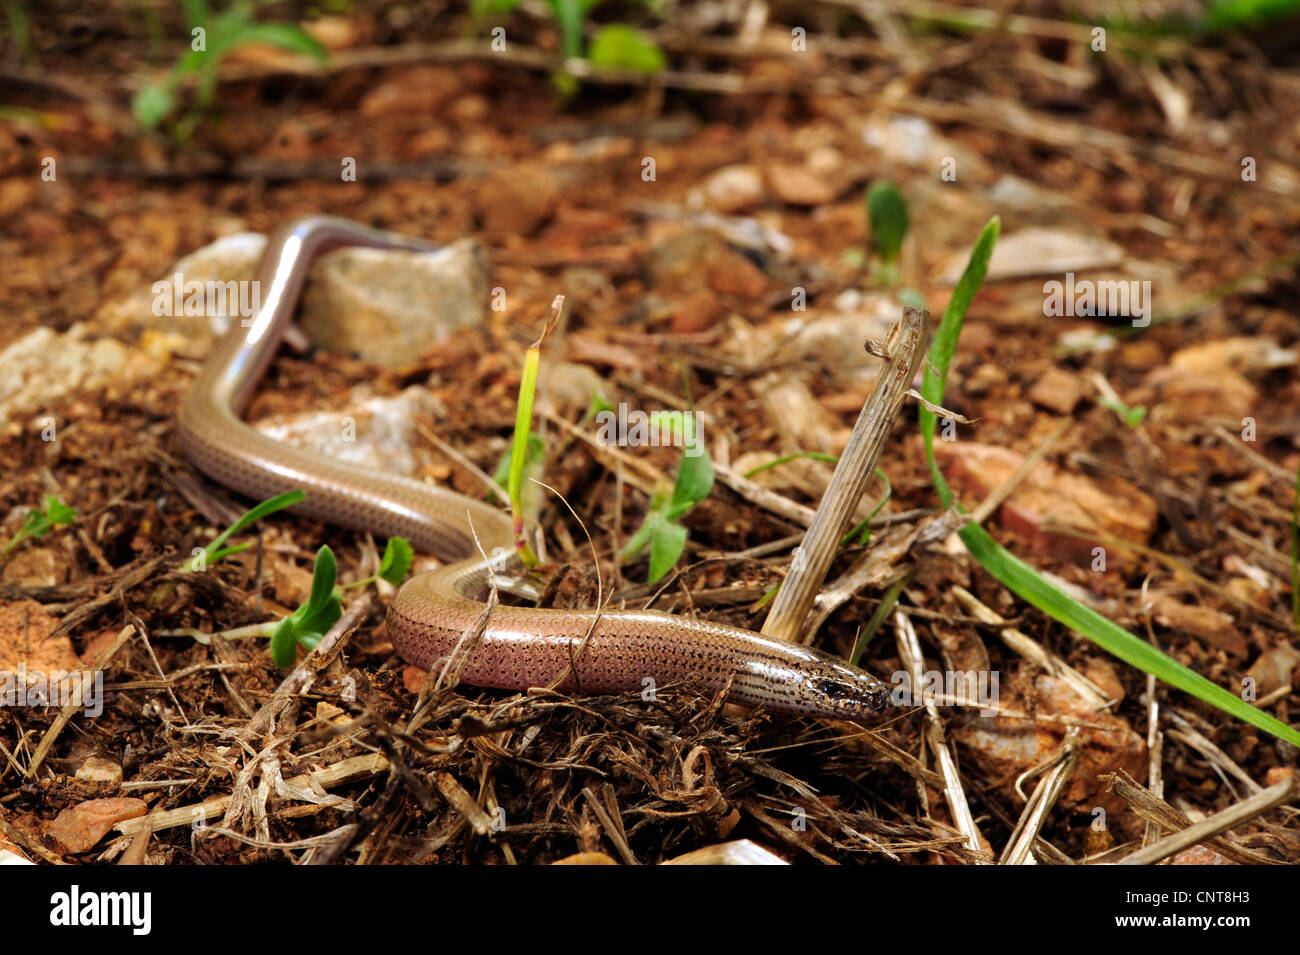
point(520, 647)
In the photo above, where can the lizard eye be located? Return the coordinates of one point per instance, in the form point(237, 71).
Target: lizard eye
point(834, 689)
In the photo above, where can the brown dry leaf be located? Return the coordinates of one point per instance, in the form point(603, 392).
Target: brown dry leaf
point(1050, 496)
point(1004, 747)
point(1212, 626)
point(1056, 390)
point(797, 186)
point(1273, 668)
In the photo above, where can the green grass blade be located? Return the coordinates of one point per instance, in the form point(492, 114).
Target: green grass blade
point(277, 503)
point(1023, 580)
point(945, 343)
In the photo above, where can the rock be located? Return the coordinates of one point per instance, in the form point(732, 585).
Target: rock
point(1050, 496)
point(1039, 252)
point(738, 852)
point(730, 190)
point(692, 258)
point(78, 828)
point(1273, 669)
point(25, 639)
point(1204, 623)
point(1198, 855)
point(1184, 396)
point(701, 310)
point(834, 340)
point(44, 366)
point(388, 306)
point(797, 186)
point(376, 433)
point(571, 385)
point(1103, 675)
point(96, 769)
point(1279, 774)
point(1239, 353)
point(413, 678)
point(1057, 390)
point(231, 258)
point(412, 92)
point(517, 200)
point(586, 858)
point(913, 141)
point(34, 567)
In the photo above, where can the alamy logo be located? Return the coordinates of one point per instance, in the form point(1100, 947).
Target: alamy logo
point(53, 688)
point(1089, 299)
point(176, 297)
point(949, 688)
point(74, 907)
point(636, 429)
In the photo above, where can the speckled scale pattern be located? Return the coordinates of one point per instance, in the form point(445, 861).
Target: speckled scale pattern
point(520, 647)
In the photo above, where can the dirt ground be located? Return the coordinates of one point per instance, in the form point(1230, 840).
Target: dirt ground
point(1134, 158)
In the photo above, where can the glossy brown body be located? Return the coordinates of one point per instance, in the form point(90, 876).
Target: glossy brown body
point(628, 650)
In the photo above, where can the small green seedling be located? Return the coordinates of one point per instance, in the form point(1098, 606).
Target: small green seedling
point(395, 565)
point(615, 46)
point(887, 217)
point(215, 551)
point(662, 530)
point(522, 447)
point(38, 522)
point(1130, 416)
point(211, 38)
point(312, 620)
point(621, 47)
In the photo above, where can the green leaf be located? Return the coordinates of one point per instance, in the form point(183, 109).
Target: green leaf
point(694, 482)
point(287, 36)
point(481, 8)
point(532, 460)
point(667, 541)
point(1130, 416)
point(226, 552)
point(1233, 14)
point(57, 512)
point(284, 643)
point(196, 12)
point(37, 523)
point(270, 506)
point(397, 560)
point(324, 574)
point(321, 611)
point(569, 15)
point(151, 104)
point(622, 47)
point(945, 343)
point(887, 213)
point(777, 462)
point(1024, 581)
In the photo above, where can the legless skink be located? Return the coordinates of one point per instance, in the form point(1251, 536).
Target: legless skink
point(628, 650)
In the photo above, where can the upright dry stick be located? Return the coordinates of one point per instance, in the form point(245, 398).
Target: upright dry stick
point(903, 351)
